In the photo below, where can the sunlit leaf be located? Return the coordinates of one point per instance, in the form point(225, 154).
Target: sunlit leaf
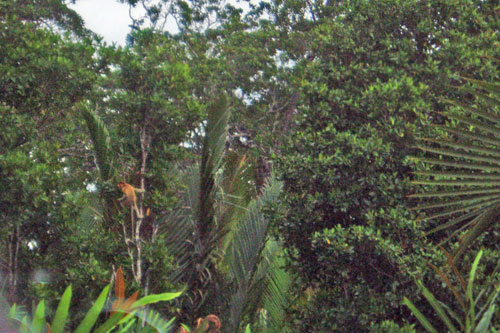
point(62, 312)
point(94, 312)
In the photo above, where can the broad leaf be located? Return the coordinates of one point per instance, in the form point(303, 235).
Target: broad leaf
point(94, 312)
point(151, 299)
point(39, 319)
point(62, 312)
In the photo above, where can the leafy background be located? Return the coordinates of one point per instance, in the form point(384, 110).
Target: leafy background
point(277, 149)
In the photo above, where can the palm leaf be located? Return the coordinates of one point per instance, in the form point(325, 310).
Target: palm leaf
point(247, 247)
point(271, 286)
point(462, 189)
point(211, 159)
point(217, 219)
point(155, 323)
point(237, 192)
point(100, 138)
point(472, 318)
point(178, 227)
point(193, 230)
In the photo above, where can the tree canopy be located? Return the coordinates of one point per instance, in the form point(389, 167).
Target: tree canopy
point(282, 155)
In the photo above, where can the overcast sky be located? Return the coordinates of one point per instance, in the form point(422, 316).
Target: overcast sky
point(111, 20)
point(108, 18)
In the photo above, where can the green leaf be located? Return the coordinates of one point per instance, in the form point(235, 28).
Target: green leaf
point(186, 327)
point(472, 276)
point(485, 321)
point(247, 329)
point(25, 326)
point(472, 166)
point(13, 311)
point(449, 193)
point(485, 139)
point(437, 307)
point(62, 312)
point(94, 312)
point(421, 318)
point(112, 322)
point(457, 154)
point(127, 327)
point(150, 299)
point(38, 323)
point(459, 202)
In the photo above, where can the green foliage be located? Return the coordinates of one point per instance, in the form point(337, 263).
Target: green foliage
point(43, 169)
point(219, 237)
point(122, 318)
point(477, 310)
point(333, 91)
point(370, 74)
point(388, 326)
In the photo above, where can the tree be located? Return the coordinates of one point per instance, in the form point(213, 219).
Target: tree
point(146, 110)
point(219, 237)
point(371, 72)
point(43, 74)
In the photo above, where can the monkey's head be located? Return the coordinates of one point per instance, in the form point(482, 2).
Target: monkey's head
point(121, 185)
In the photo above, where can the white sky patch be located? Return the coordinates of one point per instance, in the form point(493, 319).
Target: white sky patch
point(108, 18)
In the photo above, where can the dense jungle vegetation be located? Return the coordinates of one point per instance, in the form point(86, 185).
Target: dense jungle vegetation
point(300, 166)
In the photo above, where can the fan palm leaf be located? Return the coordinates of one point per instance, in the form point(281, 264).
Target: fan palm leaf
point(463, 186)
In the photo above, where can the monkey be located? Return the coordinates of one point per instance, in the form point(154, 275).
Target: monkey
point(129, 196)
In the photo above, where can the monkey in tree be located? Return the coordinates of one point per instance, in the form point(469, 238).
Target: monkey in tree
point(130, 197)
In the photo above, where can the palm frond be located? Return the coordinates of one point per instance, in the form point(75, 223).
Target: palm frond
point(154, 321)
point(247, 247)
point(270, 287)
point(193, 230)
point(236, 193)
point(100, 138)
point(179, 225)
point(463, 185)
point(211, 159)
